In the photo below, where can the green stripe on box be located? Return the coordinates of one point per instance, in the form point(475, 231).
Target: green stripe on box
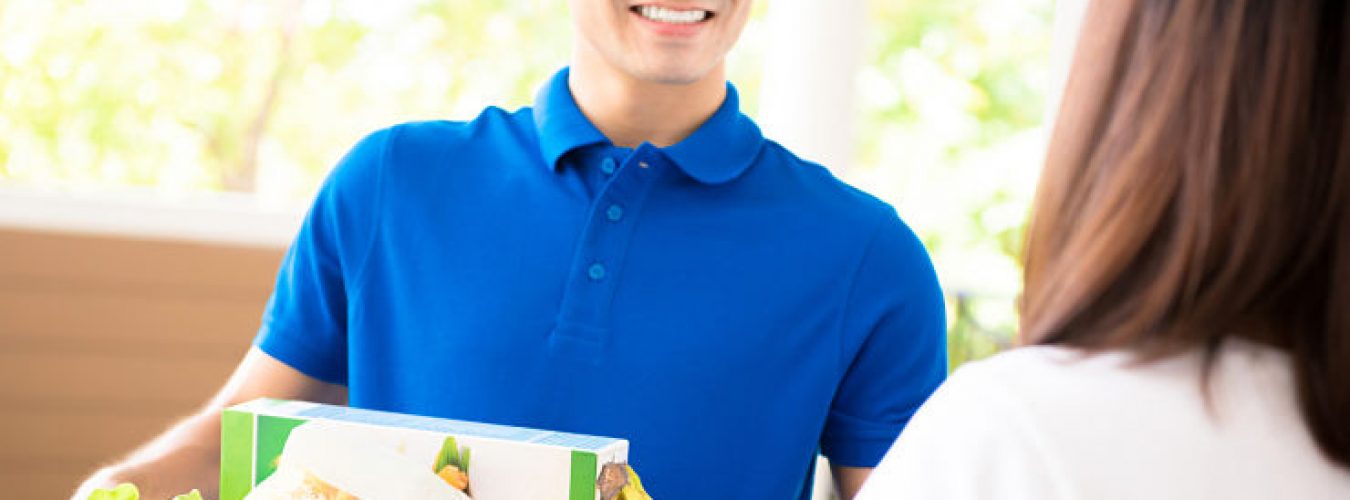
point(584, 471)
point(236, 454)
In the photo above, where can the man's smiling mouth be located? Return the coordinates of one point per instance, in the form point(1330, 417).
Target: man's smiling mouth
point(671, 16)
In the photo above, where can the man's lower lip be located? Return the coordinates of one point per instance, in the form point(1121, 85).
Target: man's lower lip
point(672, 29)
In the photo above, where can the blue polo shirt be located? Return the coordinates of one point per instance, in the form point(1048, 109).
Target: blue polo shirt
point(728, 308)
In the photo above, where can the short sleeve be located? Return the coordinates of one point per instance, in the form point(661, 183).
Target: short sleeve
point(968, 442)
point(305, 321)
point(894, 330)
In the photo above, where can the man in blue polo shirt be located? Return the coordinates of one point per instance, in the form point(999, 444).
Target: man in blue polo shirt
point(628, 257)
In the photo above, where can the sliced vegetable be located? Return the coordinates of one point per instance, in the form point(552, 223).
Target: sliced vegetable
point(452, 454)
point(128, 491)
point(124, 491)
point(452, 464)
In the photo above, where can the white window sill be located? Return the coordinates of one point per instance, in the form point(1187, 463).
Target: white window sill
point(229, 218)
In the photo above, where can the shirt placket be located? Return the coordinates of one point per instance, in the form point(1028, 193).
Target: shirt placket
point(582, 329)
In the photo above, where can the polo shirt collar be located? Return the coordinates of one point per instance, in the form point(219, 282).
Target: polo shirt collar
point(720, 150)
point(559, 121)
point(723, 147)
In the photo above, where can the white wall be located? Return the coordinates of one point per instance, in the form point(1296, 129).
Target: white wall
point(807, 98)
point(1068, 22)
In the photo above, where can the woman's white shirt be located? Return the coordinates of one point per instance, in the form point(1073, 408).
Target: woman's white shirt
point(1048, 423)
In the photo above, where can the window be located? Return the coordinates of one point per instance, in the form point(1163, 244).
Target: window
point(187, 99)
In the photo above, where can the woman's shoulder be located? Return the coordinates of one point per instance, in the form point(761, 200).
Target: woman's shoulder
point(1058, 372)
point(1028, 371)
point(1073, 402)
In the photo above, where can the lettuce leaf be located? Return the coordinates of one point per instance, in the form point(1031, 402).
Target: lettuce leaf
point(128, 491)
point(124, 491)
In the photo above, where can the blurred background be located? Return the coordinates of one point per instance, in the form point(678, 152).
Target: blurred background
point(156, 155)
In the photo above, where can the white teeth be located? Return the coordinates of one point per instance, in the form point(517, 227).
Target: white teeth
point(664, 15)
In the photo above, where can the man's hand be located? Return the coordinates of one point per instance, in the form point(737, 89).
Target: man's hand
point(187, 456)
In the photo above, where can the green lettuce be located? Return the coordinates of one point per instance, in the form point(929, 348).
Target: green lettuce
point(124, 491)
point(128, 491)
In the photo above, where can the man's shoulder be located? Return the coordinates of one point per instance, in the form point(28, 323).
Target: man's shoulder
point(417, 152)
point(815, 185)
point(493, 127)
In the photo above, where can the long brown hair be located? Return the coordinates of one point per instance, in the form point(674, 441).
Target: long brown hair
point(1197, 188)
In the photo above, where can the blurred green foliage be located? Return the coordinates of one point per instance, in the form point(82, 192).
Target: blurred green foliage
point(248, 95)
point(262, 96)
point(953, 97)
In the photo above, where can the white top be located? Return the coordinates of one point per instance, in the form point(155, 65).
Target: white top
point(1046, 423)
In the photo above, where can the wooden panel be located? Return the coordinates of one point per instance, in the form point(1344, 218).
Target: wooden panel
point(104, 342)
point(63, 437)
point(130, 261)
point(22, 480)
point(111, 378)
point(103, 320)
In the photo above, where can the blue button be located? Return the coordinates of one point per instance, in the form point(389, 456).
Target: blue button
point(596, 272)
point(614, 213)
point(608, 166)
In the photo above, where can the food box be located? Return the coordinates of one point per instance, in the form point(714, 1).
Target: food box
point(276, 449)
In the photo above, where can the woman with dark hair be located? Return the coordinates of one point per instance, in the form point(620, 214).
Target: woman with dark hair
point(1187, 293)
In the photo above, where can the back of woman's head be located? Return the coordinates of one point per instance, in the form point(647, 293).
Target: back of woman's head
point(1198, 188)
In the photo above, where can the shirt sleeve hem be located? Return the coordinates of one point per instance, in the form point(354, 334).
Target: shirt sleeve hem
point(300, 358)
point(855, 452)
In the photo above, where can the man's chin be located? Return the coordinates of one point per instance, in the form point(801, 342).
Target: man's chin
point(673, 75)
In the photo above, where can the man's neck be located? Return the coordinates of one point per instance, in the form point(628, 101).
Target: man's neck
point(629, 111)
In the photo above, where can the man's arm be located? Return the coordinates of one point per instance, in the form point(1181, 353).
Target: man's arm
point(895, 325)
point(187, 456)
point(848, 480)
